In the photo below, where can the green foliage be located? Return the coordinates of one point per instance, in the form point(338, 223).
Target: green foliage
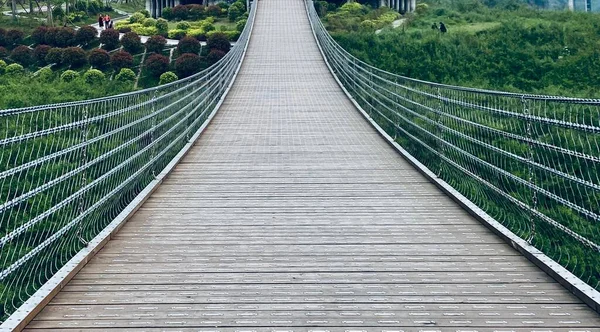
point(94, 76)
point(162, 26)
point(236, 10)
point(176, 34)
point(45, 74)
point(168, 77)
point(183, 25)
point(149, 22)
point(69, 75)
point(2, 66)
point(126, 75)
point(240, 25)
point(14, 69)
point(137, 18)
point(545, 52)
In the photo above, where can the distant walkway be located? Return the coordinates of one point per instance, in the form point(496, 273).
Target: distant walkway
point(291, 213)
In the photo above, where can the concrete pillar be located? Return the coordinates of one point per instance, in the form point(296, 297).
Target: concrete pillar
point(401, 6)
point(413, 5)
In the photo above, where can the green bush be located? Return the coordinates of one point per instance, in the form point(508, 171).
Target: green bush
point(126, 75)
point(162, 26)
point(93, 76)
point(149, 22)
point(14, 69)
point(2, 66)
point(69, 75)
point(199, 34)
point(235, 11)
point(176, 34)
point(167, 13)
point(168, 77)
point(183, 25)
point(240, 25)
point(145, 12)
point(44, 74)
point(137, 18)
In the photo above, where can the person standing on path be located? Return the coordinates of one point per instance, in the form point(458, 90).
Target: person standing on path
point(106, 21)
point(101, 21)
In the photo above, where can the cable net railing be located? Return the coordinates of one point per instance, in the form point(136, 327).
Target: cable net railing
point(531, 162)
point(67, 170)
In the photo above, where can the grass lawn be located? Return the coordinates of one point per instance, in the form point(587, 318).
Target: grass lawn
point(131, 7)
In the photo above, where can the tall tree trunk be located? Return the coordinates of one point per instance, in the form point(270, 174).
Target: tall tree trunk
point(49, 12)
point(14, 9)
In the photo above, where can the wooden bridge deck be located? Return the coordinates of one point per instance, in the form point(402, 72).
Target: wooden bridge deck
point(291, 213)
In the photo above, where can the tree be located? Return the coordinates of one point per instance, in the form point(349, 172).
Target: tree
point(99, 58)
point(156, 44)
point(23, 55)
point(187, 64)
point(110, 39)
point(131, 42)
point(188, 45)
point(157, 64)
point(218, 41)
point(75, 56)
point(121, 59)
point(86, 34)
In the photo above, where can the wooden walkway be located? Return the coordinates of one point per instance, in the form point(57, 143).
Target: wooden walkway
point(292, 214)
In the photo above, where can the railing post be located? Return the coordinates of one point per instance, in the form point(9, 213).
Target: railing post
point(83, 179)
point(530, 170)
point(440, 132)
point(153, 129)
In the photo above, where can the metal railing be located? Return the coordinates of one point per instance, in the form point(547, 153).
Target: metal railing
point(67, 170)
point(531, 162)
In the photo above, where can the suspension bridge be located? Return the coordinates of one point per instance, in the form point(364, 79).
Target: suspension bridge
point(325, 194)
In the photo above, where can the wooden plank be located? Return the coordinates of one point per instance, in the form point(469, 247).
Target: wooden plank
point(291, 213)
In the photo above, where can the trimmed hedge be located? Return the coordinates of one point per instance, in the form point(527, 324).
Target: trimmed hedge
point(156, 44)
point(188, 45)
point(132, 43)
point(99, 58)
point(74, 56)
point(187, 64)
point(157, 64)
point(121, 59)
point(167, 77)
point(23, 55)
point(110, 39)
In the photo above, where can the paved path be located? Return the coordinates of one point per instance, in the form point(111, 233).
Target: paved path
point(292, 214)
